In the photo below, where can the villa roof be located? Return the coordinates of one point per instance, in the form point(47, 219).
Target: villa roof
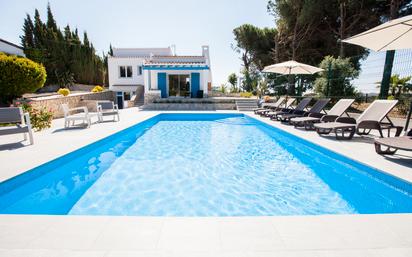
point(11, 44)
point(174, 60)
point(176, 63)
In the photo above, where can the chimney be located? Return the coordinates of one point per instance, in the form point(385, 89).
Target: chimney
point(205, 53)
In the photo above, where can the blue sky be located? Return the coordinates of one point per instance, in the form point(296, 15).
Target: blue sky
point(188, 24)
point(155, 23)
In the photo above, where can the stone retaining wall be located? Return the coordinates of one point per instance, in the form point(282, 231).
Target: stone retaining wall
point(84, 99)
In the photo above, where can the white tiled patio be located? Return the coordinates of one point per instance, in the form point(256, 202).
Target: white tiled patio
point(329, 235)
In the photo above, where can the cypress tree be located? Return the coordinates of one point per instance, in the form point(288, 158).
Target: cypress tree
point(27, 40)
point(51, 23)
point(65, 57)
point(39, 31)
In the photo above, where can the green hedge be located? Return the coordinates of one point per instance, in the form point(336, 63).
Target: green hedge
point(18, 76)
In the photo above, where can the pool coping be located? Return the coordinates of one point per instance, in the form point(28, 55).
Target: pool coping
point(101, 236)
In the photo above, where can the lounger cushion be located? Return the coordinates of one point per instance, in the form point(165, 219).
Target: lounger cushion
point(333, 125)
point(403, 143)
point(305, 119)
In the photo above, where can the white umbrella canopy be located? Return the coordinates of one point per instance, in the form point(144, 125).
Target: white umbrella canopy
point(291, 67)
point(392, 35)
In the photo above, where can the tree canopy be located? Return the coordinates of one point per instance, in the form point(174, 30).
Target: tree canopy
point(309, 30)
point(66, 57)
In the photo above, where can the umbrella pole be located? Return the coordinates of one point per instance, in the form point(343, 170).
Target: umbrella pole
point(289, 82)
point(408, 118)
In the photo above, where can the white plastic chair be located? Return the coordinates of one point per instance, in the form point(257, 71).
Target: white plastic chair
point(74, 114)
point(107, 108)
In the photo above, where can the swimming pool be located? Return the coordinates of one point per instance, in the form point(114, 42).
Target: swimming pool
point(203, 165)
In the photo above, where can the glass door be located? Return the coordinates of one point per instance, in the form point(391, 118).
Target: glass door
point(179, 85)
point(173, 85)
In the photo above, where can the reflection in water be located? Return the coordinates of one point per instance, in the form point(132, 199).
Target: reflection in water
point(230, 166)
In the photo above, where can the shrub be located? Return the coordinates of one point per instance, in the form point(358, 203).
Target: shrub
point(246, 94)
point(391, 97)
point(266, 98)
point(40, 118)
point(97, 89)
point(18, 76)
point(63, 91)
point(340, 77)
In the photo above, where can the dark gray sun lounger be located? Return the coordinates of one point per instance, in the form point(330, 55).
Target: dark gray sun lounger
point(335, 112)
point(371, 118)
point(316, 109)
point(299, 108)
point(21, 122)
point(394, 144)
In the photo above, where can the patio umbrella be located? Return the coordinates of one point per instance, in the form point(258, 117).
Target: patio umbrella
point(392, 35)
point(291, 67)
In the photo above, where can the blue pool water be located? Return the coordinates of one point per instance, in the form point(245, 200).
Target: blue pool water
point(203, 165)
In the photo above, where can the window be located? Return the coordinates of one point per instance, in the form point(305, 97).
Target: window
point(122, 72)
point(139, 70)
point(125, 71)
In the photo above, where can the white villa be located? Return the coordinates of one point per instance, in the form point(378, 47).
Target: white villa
point(10, 48)
point(158, 72)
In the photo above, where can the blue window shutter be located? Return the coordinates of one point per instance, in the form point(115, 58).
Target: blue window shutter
point(195, 83)
point(161, 84)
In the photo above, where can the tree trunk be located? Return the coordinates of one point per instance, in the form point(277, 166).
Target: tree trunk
point(390, 55)
point(276, 57)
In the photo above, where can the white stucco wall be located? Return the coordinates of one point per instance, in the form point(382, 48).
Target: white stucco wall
point(204, 78)
point(137, 56)
point(114, 75)
point(9, 49)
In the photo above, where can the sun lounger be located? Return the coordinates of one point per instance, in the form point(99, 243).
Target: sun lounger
point(21, 122)
point(270, 106)
point(335, 112)
point(316, 109)
point(107, 108)
point(280, 109)
point(371, 118)
point(394, 144)
point(299, 108)
point(264, 106)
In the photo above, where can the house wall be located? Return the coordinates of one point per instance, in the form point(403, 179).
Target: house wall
point(204, 78)
point(114, 75)
point(9, 49)
point(138, 52)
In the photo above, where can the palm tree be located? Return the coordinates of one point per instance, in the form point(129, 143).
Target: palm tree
point(399, 85)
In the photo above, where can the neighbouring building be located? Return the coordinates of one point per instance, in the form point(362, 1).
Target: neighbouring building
point(148, 72)
point(10, 48)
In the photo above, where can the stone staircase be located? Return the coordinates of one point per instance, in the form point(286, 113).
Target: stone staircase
point(139, 99)
point(246, 105)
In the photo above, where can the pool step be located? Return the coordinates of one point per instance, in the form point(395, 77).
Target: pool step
point(246, 105)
